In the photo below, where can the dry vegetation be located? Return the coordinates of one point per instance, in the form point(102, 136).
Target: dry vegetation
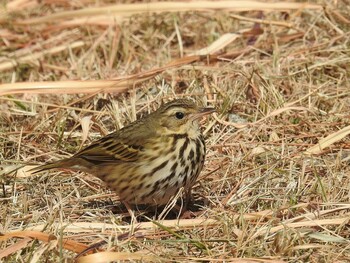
point(272, 189)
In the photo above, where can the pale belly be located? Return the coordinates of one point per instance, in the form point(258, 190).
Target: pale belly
point(159, 178)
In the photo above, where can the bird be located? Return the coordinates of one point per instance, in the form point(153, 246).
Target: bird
point(149, 160)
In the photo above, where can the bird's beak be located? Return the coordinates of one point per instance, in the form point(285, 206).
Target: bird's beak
point(202, 112)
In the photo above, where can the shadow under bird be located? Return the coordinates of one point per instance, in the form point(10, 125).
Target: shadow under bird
point(148, 161)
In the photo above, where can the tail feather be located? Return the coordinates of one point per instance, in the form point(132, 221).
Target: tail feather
point(65, 164)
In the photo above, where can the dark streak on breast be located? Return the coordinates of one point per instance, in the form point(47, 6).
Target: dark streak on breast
point(191, 155)
point(159, 167)
point(184, 147)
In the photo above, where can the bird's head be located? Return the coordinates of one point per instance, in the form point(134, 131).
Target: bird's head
point(180, 117)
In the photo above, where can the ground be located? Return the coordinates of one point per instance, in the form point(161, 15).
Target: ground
point(275, 187)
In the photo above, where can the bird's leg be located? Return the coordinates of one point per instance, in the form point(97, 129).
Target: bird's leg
point(133, 220)
point(188, 197)
point(185, 213)
point(183, 208)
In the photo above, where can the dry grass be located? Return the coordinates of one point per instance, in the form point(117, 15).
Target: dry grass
point(272, 189)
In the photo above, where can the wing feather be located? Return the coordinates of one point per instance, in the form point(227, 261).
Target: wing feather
point(108, 149)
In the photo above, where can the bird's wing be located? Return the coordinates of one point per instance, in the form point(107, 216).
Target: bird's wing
point(110, 149)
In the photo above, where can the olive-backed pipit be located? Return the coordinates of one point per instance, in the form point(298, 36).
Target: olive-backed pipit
point(148, 161)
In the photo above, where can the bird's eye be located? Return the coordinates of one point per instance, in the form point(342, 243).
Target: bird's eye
point(179, 115)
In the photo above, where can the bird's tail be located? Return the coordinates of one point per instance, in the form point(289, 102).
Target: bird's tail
point(62, 164)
